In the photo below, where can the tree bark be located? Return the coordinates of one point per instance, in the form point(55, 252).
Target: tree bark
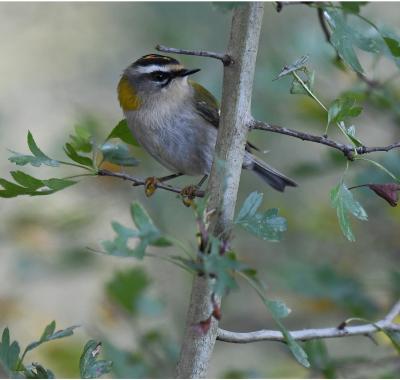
point(224, 179)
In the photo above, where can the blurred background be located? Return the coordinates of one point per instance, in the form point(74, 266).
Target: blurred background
point(59, 67)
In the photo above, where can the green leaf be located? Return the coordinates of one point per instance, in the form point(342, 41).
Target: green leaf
point(394, 337)
point(267, 225)
point(50, 334)
point(278, 309)
point(81, 141)
point(127, 288)
point(122, 132)
point(393, 45)
point(345, 37)
point(89, 366)
point(220, 267)
point(147, 233)
point(75, 156)
point(28, 185)
point(342, 199)
point(36, 371)
point(118, 154)
point(38, 158)
point(298, 88)
point(343, 108)
point(9, 353)
point(319, 358)
point(352, 6)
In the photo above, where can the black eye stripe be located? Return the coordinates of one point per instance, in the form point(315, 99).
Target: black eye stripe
point(159, 76)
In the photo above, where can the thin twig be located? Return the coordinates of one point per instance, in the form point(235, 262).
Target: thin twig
point(331, 332)
point(347, 150)
point(224, 58)
point(138, 181)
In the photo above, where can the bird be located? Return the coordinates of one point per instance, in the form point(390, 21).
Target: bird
point(176, 121)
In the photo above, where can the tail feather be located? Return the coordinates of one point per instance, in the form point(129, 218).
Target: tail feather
point(270, 175)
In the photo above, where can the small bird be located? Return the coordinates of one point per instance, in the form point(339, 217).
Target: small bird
point(175, 120)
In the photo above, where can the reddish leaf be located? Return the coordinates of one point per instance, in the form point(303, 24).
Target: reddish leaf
point(216, 309)
point(387, 191)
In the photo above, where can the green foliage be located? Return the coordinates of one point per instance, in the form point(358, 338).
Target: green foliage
point(127, 289)
point(72, 153)
point(118, 154)
point(319, 359)
point(9, 353)
point(28, 185)
point(278, 311)
point(365, 35)
point(89, 366)
point(81, 141)
point(322, 283)
point(36, 371)
point(48, 335)
point(342, 199)
point(122, 131)
point(37, 159)
point(147, 233)
point(13, 363)
point(267, 225)
point(352, 6)
point(343, 108)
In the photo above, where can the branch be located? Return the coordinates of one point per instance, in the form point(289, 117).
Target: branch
point(308, 334)
point(224, 58)
point(347, 150)
point(138, 181)
point(224, 179)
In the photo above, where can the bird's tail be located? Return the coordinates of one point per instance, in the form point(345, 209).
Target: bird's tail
point(270, 175)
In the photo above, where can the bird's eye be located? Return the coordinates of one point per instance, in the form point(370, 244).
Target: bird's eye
point(159, 76)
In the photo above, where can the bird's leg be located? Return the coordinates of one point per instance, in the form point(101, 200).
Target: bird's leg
point(150, 185)
point(188, 193)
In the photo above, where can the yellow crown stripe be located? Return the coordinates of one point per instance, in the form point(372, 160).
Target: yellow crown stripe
point(127, 97)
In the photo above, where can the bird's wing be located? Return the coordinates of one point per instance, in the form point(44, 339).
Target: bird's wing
point(208, 108)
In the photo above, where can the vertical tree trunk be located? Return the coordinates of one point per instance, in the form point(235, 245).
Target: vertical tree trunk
point(225, 175)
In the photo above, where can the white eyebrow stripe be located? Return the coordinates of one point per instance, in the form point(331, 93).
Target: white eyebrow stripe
point(151, 69)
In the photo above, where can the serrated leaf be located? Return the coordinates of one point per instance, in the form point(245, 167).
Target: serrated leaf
point(122, 132)
point(220, 267)
point(26, 180)
point(250, 206)
point(50, 334)
point(147, 233)
point(118, 154)
point(344, 37)
point(267, 225)
point(38, 158)
point(76, 157)
point(89, 366)
point(342, 199)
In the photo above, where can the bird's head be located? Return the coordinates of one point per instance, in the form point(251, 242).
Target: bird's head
point(150, 78)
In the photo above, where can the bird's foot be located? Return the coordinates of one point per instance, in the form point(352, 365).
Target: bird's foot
point(150, 186)
point(188, 194)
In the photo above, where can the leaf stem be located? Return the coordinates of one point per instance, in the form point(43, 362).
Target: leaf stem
point(377, 164)
point(76, 165)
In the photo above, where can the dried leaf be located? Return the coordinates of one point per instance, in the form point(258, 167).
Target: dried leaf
point(387, 191)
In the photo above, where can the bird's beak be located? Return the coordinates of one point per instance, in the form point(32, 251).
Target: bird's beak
point(185, 72)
